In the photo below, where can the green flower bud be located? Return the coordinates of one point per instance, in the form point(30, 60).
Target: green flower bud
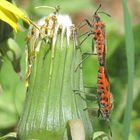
point(51, 103)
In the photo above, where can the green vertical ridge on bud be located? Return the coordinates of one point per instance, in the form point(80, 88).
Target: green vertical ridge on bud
point(51, 101)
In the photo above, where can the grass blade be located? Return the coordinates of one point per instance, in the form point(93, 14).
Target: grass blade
point(9, 135)
point(130, 64)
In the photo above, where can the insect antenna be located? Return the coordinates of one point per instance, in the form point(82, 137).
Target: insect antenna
point(95, 13)
point(102, 12)
point(56, 8)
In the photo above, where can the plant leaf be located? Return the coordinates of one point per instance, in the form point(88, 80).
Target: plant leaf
point(9, 20)
point(11, 135)
point(77, 129)
point(99, 134)
point(10, 14)
point(130, 64)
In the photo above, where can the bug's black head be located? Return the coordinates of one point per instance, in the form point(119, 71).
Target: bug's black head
point(96, 18)
point(57, 8)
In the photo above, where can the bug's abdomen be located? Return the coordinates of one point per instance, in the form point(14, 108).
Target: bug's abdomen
point(104, 94)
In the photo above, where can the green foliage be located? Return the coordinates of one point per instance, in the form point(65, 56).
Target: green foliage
point(117, 70)
point(12, 90)
point(66, 6)
point(10, 135)
point(51, 101)
point(11, 14)
point(99, 134)
point(12, 96)
point(130, 64)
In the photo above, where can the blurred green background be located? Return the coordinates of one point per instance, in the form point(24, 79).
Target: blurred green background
point(12, 88)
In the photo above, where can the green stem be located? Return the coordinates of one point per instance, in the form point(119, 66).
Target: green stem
point(130, 63)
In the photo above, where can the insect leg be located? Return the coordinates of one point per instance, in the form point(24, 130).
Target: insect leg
point(84, 34)
point(88, 22)
point(81, 63)
point(88, 54)
point(90, 33)
point(81, 25)
point(79, 93)
point(85, 93)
